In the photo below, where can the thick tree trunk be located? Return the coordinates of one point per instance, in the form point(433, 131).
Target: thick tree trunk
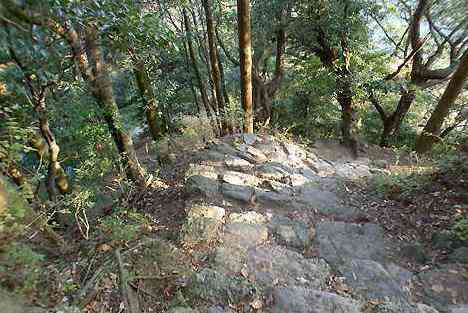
point(148, 98)
point(101, 85)
point(245, 56)
point(263, 101)
point(345, 99)
point(198, 77)
point(348, 119)
point(215, 71)
point(431, 131)
point(264, 91)
point(393, 123)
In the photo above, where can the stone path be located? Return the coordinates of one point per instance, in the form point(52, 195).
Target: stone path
point(271, 230)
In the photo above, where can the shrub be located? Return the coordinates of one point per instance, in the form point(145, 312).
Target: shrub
point(460, 229)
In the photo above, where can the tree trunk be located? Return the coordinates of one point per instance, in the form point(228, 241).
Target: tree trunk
point(345, 99)
point(245, 56)
point(215, 71)
point(393, 123)
point(262, 100)
point(56, 178)
point(432, 129)
point(264, 91)
point(148, 98)
point(201, 84)
point(101, 86)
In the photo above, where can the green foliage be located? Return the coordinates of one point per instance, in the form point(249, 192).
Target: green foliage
point(119, 228)
point(460, 229)
point(398, 184)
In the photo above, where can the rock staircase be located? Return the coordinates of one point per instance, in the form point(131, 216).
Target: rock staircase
point(271, 233)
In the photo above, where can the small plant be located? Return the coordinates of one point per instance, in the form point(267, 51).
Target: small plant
point(118, 230)
point(398, 183)
point(460, 229)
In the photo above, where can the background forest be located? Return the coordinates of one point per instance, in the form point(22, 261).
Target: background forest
point(99, 99)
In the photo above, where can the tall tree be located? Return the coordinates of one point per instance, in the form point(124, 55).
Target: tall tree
point(214, 63)
point(432, 130)
point(421, 54)
point(196, 69)
point(147, 96)
point(245, 56)
point(329, 37)
point(57, 180)
point(101, 85)
point(269, 23)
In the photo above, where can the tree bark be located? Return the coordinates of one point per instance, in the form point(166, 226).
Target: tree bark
point(431, 131)
point(264, 91)
point(56, 177)
point(215, 71)
point(102, 90)
point(196, 69)
point(345, 99)
point(148, 98)
point(245, 56)
point(393, 123)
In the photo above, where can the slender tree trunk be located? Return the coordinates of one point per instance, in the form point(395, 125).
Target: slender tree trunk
point(201, 84)
point(431, 131)
point(101, 85)
point(56, 178)
point(200, 108)
point(245, 56)
point(215, 71)
point(148, 98)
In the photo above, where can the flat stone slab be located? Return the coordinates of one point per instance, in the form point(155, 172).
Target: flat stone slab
point(462, 308)
point(374, 281)
point(202, 225)
point(202, 179)
point(236, 163)
point(304, 300)
point(244, 234)
point(325, 201)
point(182, 310)
point(238, 178)
point(237, 192)
point(403, 307)
point(274, 170)
point(444, 286)
point(216, 287)
point(249, 217)
point(292, 233)
point(341, 242)
point(277, 266)
point(238, 237)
